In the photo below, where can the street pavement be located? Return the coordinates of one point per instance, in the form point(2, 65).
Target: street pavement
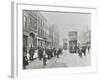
point(65, 60)
point(73, 60)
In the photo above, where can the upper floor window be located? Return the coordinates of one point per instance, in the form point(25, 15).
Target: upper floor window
point(35, 23)
point(30, 22)
point(25, 21)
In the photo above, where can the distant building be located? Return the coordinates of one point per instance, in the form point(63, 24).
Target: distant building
point(81, 39)
point(84, 39)
point(72, 41)
point(54, 36)
point(88, 38)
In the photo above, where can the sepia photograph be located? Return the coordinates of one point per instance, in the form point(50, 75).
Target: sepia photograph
point(56, 39)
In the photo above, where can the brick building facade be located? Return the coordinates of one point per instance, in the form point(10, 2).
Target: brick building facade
point(37, 31)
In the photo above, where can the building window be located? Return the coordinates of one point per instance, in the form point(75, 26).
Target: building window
point(30, 22)
point(25, 21)
point(39, 31)
point(35, 23)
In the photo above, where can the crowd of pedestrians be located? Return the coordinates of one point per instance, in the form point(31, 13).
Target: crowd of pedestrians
point(82, 50)
point(43, 54)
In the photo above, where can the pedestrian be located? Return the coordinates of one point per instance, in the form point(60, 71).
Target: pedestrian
point(35, 53)
point(84, 51)
point(47, 52)
point(54, 52)
point(42, 50)
point(88, 49)
point(79, 52)
point(25, 60)
point(39, 52)
point(58, 52)
point(44, 58)
point(50, 53)
point(30, 53)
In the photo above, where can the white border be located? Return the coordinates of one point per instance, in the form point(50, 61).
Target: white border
point(17, 56)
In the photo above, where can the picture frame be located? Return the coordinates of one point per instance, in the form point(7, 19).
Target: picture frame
point(17, 40)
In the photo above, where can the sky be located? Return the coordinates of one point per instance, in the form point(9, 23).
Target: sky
point(68, 22)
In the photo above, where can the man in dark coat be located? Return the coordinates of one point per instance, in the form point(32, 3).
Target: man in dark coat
point(47, 52)
point(58, 52)
point(84, 51)
point(25, 60)
point(51, 53)
point(54, 52)
point(88, 49)
point(44, 60)
point(40, 53)
point(79, 52)
point(30, 53)
point(33, 51)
